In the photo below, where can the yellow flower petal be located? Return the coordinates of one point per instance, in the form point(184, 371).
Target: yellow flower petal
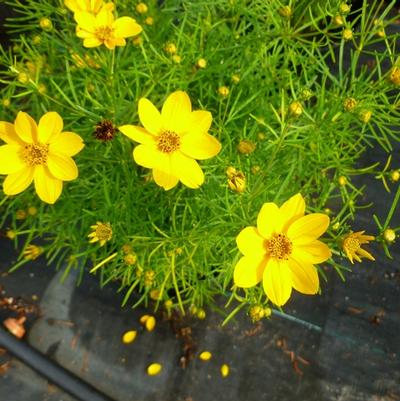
point(312, 225)
point(249, 271)
point(250, 242)
point(50, 125)
point(138, 134)
point(304, 277)
point(17, 182)
point(91, 42)
point(47, 187)
point(10, 159)
point(292, 209)
point(126, 27)
point(365, 254)
point(268, 219)
point(81, 33)
point(176, 112)
point(199, 122)
point(104, 18)
point(62, 167)
point(26, 127)
point(154, 369)
point(67, 143)
point(277, 281)
point(86, 21)
point(8, 134)
point(149, 116)
point(165, 180)
point(148, 156)
point(187, 170)
point(200, 146)
point(314, 252)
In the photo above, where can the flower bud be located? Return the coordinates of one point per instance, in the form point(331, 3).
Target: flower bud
point(389, 235)
point(286, 11)
point(347, 34)
point(296, 109)
point(245, 147)
point(349, 103)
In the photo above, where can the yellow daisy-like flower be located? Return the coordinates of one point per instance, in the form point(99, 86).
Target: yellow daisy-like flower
point(90, 6)
point(352, 246)
point(171, 141)
point(282, 250)
point(96, 30)
point(41, 153)
point(102, 232)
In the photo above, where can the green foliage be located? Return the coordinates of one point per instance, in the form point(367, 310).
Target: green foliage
point(268, 61)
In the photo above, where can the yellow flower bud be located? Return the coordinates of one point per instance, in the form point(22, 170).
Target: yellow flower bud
point(336, 226)
point(21, 214)
point(246, 147)
point(365, 116)
point(6, 102)
point(155, 294)
point(137, 40)
point(141, 8)
point(261, 136)
point(235, 78)
point(42, 88)
point(36, 39)
point(224, 370)
point(10, 234)
point(201, 314)
point(296, 109)
point(170, 48)
point(46, 24)
point(23, 78)
point(306, 94)
point(223, 91)
point(154, 369)
point(255, 169)
point(342, 180)
point(176, 59)
point(347, 34)
point(237, 182)
point(130, 259)
point(32, 210)
point(149, 21)
point(129, 336)
point(267, 312)
point(349, 104)
point(395, 76)
point(338, 20)
point(389, 235)
point(127, 248)
point(395, 175)
point(168, 304)
point(256, 313)
point(231, 171)
point(205, 356)
point(202, 63)
point(344, 8)
point(286, 11)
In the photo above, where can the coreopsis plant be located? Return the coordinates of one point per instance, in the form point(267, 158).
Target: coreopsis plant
point(232, 108)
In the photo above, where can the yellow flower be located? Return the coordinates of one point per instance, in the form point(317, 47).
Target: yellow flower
point(96, 30)
point(282, 250)
point(90, 6)
point(32, 252)
point(41, 153)
point(102, 232)
point(352, 246)
point(172, 140)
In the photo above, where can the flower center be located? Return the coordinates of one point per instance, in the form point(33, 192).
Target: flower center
point(279, 246)
point(35, 154)
point(103, 232)
point(103, 33)
point(168, 142)
point(351, 244)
